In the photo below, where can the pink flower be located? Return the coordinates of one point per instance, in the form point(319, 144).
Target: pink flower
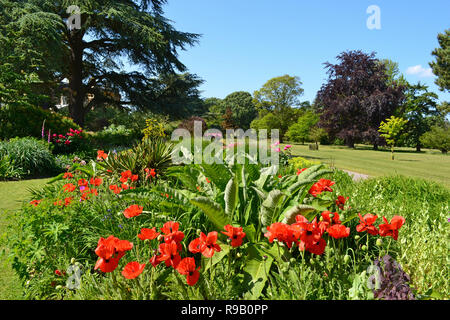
point(287, 147)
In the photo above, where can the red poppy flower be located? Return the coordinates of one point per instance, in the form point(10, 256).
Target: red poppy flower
point(125, 186)
point(126, 175)
point(318, 247)
point(187, 267)
point(108, 265)
point(101, 155)
point(110, 251)
point(169, 254)
point(155, 260)
point(58, 273)
point(309, 232)
point(96, 181)
point(195, 246)
point(326, 216)
point(133, 211)
point(94, 192)
point(320, 186)
point(149, 172)
point(35, 202)
point(149, 234)
point(134, 178)
point(170, 226)
point(67, 175)
point(338, 231)
point(277, 230)
point(69, 187)
point(235, 234)
point(115, 188)
point(366, 224)
point(209, 244)
point(340, 202)
point(82, 183)
point(85, 194)
point(391, 229)
point(171, 232)
point(300, 170)
point(133, 269)
point(67, 201)
point(207, 180)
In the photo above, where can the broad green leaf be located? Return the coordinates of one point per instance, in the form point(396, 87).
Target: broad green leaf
point(231, 196)
point(217, 257)
point(301, 209)
point(212, 210)
point(269, 207)
point(257, 267)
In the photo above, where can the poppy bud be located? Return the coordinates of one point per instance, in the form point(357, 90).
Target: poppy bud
point(364, 248)
point(58, 287)
point(198, 232)
point(238, 254)
point(379, 242)
point(160, 237)
point(357, 237)
point(311, 261)
point(72, 261)
point(346, 258)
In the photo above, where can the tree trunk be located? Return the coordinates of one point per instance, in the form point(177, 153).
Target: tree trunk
point(350, 144)
point(418, 148)
point(375, 146)
point(77, 94)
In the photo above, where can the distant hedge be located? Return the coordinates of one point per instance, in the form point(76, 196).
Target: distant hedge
point(25, 121)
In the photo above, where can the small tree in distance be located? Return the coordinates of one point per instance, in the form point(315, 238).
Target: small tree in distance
point(391, 131)
point(316, 134)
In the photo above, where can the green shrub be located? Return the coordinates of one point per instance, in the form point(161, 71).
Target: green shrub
point(300, 162)
point(23, 121)
point(8, 170)
point(437, 138)
point(31, 155)
point(153, 153)
point(114, 136)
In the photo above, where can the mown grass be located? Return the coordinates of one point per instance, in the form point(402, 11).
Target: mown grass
point(12, 195)
point(429, 164)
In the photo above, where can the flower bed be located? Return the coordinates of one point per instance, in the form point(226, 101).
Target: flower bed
point(206, 232)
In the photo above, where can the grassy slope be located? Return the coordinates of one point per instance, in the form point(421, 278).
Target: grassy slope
point(12, 195)
point(428, 165)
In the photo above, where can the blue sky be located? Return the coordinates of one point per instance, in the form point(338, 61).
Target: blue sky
point(244, 43)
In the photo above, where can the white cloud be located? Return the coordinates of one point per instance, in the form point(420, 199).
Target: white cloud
point(419, 71)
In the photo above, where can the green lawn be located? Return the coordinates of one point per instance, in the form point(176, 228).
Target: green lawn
point(12, 195)
point(429, 164)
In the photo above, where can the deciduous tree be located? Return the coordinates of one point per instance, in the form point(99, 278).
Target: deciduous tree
point(356, 98)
